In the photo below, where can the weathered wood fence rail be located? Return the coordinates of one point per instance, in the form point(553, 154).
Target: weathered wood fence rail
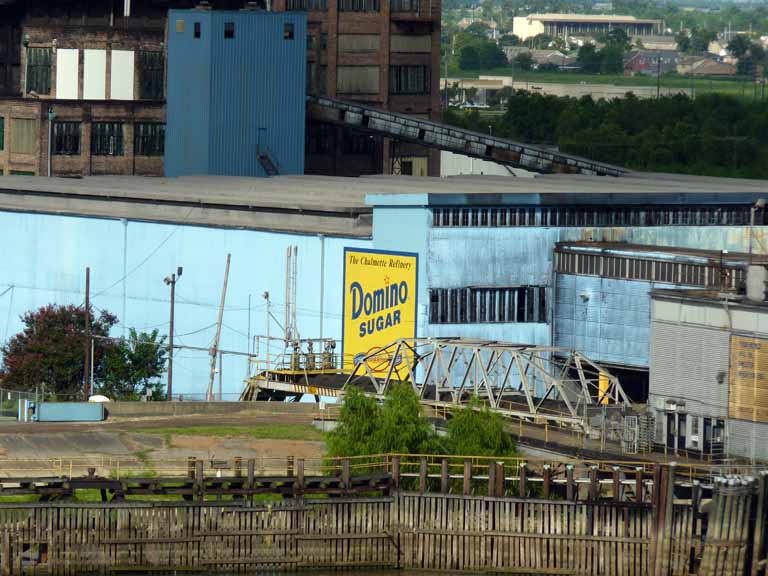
point(677, 531)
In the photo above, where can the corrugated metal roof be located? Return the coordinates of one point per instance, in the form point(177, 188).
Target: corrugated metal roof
point(661, 252)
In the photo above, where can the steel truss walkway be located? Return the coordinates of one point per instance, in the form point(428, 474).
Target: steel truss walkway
point(537, 383)
point(404, 128)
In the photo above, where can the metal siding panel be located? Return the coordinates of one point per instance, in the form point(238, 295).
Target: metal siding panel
point(121, 77)
point(685, 363)
point(70, 412)
point(67, 73)
point(188, 95)
point(258, 93)
point(94, 74)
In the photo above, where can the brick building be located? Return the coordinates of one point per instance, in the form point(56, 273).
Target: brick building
point(101, 73)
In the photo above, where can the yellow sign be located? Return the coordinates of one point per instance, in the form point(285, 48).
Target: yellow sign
point(748, 383)
point(380, 290)
point(603, 386)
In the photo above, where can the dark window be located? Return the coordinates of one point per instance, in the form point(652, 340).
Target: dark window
point(408, 80)
point(197, 29)
point(288, 31)
point(404, 5)
point(488, 305)
point(149, 139)
point(66, 138)
point(107, 139)
point(359, 144)
point(229, 30)
point(311, 41)
point(39, 70)
point(304, 5)
point(324, 41)
point(151, 75)
point(406, 168)
point(358, 5)
point(2, 133)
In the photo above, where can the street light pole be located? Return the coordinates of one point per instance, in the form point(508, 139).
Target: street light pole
point(171, 281)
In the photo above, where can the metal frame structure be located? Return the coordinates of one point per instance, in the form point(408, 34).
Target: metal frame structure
point(531, 382)
point(404, 128)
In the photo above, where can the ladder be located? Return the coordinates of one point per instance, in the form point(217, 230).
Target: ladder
point(267, 164)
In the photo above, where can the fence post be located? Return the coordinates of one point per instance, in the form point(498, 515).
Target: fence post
point(499, 479)
point(467, 488)
point(396, 472)
point(199, 480)
point(444, 486)
point(422, 475)
point(594, 483)
point(492, 479)
point(299, 484)
point(639, 496)
point(346, 479)
point(616, 484)
point(757, 539)
point(521, 485)
point(547, 479)
point(569, 487)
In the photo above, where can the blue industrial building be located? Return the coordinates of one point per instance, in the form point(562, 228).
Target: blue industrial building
point(523, 260)
point(236, 94)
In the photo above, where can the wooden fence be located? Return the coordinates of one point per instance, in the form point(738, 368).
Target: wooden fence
point(670, 534)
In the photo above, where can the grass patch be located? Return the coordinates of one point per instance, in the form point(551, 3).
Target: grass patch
point(271, 432)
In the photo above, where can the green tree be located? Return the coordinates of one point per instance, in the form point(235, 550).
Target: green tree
point(739, 45)
point(133, 367)
point(611, 60)
point(367, 427)
point(700, 39)
point(616, 38)
point(476, 431)
point(509, 40)
point(478, 29)
point(589, 59)
point(524, 61)
point(683, 41)
point(469, 59)
point(49, 350)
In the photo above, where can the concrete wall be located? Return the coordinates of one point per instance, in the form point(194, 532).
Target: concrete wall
point(128, 262)
point(131, 410)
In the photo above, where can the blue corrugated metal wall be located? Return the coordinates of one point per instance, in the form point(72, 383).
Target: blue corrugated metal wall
point(229, 97)
point(128, 262)
point(613, 327)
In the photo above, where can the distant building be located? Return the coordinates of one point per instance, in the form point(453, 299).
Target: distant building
point(540, 57)
point(656, 42)
point(650, 62)
point(705, 67)
point(709, 373)
point(581, 25)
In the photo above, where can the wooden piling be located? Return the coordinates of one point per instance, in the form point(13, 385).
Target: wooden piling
point(639, 488)
point(521, 486)
point(199, 480)
point(299, 484)
point(492, 479)
point(238, 466)
point(616, 477)
point(396, 472)
point(569, 484)
point(444, 483)
point(547, 475)
point(467, 486)
point(422, 475)
point(500, 480)
point(346, 478)
point(594, 484)
point(758, 545)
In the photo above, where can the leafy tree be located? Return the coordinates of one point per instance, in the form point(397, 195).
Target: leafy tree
point(739, 45)
point(133, 367)
point(469, 59)
point(476, 431)
point(509, 40)
point(683, 41)
point(616, 38)
point(367, 427)
point(490, 55)
point(478, 29)
point(589, 59)
point(611, 60)
point(49, 350)
point(700, 39)
point(524, 61)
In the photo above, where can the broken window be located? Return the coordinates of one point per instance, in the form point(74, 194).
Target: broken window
point(149, 139)
point(107, 139)
point(151, 75)
point(38, 70)
point(508, 304)
point(66, 138)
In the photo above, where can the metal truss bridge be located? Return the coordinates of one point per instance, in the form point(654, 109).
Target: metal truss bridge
point(534, 383)
point(405, 128)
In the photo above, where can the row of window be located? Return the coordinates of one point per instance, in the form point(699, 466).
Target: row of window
point(354, 5)
point(409, 80)
point(590, 216)
point(108, 138)
point(609, 266)
point(151, 68)
point(488, 305)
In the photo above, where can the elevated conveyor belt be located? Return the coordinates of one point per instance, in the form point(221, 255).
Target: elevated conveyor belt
point(443, 137)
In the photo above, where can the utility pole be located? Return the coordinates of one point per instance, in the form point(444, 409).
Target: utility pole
point(87, 343)
point(215, 347)
point(171, 281)
point(266, 297)
point(658, 77)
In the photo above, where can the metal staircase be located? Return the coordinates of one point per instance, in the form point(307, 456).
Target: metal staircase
point(267, 164)
point(405, 128)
